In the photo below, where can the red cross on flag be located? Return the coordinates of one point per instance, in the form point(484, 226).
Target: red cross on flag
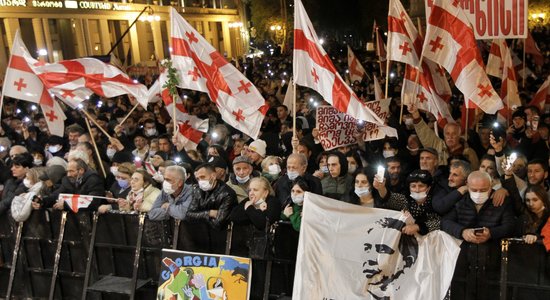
point(200, 67)
point(75, 201)
point(509, 88)
point(313, 68)
point(542, 97)
point(404, 42)
point(495, 62)
point(22, 83)
point(75, 80)
point(532, 48)
point(191, 127)
point(450, 42)
point(356, 70)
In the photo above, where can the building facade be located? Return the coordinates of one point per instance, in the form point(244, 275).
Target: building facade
point(65, 29)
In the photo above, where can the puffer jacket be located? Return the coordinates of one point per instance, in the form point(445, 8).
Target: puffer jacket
point(499, 220)
point(336, 187)
point(222, 198)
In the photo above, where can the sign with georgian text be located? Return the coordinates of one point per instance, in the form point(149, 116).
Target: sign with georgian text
point(494, 19)
point(337, 129)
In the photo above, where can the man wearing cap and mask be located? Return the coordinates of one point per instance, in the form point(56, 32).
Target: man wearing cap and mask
point(175, 198)
point(242, 173)
point(256, 152)
point(477, 220)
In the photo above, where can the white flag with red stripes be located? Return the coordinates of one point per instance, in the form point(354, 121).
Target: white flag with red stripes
point(450, 42)
point(75, 201)
point(378, 94)
point(22, 83)
point(495, 62)
point(356, 70)
point(200, 67)
point(542, 97)
point(380, 46)
point(404, 43)
point(509, 88)
point(313, 68)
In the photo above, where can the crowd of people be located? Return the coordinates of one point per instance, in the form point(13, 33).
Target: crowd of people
point(492, 185)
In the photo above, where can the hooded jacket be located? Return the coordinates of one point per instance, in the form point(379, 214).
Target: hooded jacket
point(336, 187)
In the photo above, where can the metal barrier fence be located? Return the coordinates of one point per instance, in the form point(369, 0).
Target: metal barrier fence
point(117, 256)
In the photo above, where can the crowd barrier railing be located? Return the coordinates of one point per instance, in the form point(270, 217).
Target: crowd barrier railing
point(61, 255)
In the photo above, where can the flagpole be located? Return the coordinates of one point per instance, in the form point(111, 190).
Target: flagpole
point(293, 108)
point(128, 115)
point(466, 127)
point(524, 66)
point(96, 150)
point(174, 99)
point(387, 76)
point(378, 51)
point(95, 122)
point(419, 27)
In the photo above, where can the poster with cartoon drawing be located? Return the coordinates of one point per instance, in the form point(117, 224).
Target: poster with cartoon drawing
point(200, 276)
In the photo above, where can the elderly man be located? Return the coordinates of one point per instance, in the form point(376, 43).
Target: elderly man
point(243, 171)
point(175, 198)
point(296, 166)
point(444, 202)
point(429, 161)
point(80, 180)
point(450, 145)
point(476, 220)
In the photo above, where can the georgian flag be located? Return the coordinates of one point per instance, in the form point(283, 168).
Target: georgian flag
point(509, 88)
point(75, 201)
point(542, 97)
point(200, 67)
point(313, 68)
point(450, 42)
point(404, 41)
point(356, 70)
point(378, 94)
point(22, 83)
point(495, 62)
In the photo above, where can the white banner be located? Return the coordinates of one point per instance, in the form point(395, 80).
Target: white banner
point(337, 129)
point(351, 252)
point(494, 19)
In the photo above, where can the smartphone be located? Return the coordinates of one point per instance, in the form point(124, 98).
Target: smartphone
point(535, 123)
point(478, 231)
point(498, 131)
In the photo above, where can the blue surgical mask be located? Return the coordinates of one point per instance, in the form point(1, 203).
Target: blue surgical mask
point(123, 183)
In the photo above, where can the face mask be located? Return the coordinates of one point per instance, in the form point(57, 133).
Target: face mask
point(412, 149)
point(167, 188)
point(53, 149)
point(419, 196)
point(152, 153)
point(497, 186)
point(36, 124)
point(44, 129)
point(123, 183)
point(298, 199)
point(114, 170)
point(274, 169)
point(150, 131)
point(205, 185)
point(409, 121)
point(27, 183)
point(365, 191)
point(324, 169)
point(19, 132)
point(292, 175)
point(259, 202)
point(351, 169)
point(242, 179)
point(37, 162)
point(110, 153)
point(388, 153)
point(479, 197)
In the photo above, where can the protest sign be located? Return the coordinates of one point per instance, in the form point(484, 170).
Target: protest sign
point(337, 129)
point(493, 19)
point(188, 275)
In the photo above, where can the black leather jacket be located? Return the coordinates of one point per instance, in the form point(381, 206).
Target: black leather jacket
point(222, 198)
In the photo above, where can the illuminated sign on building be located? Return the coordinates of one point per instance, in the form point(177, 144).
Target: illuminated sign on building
point(56, 4)
point(13, 3)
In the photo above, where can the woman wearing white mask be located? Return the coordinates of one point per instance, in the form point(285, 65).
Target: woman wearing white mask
point(293, 210)
point(23, 204)
point(417, 206)
point(362, 193)
point(271, 168)
point(142, 194)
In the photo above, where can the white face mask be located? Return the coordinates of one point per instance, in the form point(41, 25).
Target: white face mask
point(419, 196)
point(110, 153)
point(167, 188)
point(205, 185)
point(412, 149)
point(242, 179)
point(362, 191)
point(388, 153)
point(292, 175)
point(37, 162)
point(352, 169)
point(54, 149)
point(27, 183)
point(150, 131)
point(324, 169)
point(259, 202)
point(479, 197)
point(298, 199)
point(274, 169)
